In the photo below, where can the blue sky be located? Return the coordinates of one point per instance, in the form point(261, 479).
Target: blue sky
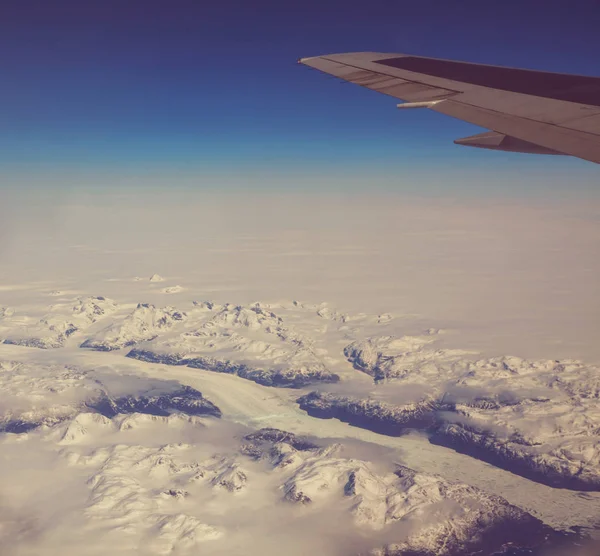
point(170, 91)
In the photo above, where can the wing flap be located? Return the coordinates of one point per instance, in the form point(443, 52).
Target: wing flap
point(553, 137)
point(500, 142)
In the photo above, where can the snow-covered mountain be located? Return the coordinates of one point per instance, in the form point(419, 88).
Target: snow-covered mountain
point(538, 419)
point(134, 488)
point(44, 395)
point(54, 328)
point(145, 323)
point(161, 468)
point(382, 417)
point(389, 357)
point(251, 342)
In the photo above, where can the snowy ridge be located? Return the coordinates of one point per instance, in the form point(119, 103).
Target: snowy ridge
point(143, 324)
point(50, 332)
point(94, 308)
point(155, 495)
point(251, 342)
point(46, 395)
point(463, 515)
point(443, 518)
point(40, 395)
point(374, 415)
point(121, 497)
point(53, 330)
point(152, 497)
point(185, 400)
point(538, 419)
point(388, 357)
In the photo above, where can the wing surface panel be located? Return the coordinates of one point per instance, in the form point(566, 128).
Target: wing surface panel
point(557, 112)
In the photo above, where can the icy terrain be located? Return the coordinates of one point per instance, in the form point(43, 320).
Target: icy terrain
point(36, 395)
point(177, 424)
point(456, 355)
point(146, 322)
point(61, 322)
point(537, 418)
point(179, 483)
point(251, 342)
point(540, 419)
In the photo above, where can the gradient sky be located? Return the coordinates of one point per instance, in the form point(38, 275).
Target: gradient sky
point(170, 91)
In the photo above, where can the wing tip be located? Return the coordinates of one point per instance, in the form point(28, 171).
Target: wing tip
point(340, 56)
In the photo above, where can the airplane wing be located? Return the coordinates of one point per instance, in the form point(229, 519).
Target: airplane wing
point(525, 110)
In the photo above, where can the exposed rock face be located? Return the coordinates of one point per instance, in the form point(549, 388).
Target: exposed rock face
point(480, 523)
point(552, 469)
point(275, 436)
point(538, 419)
point(370, 414)
point(186, 400)
point(282, 449)
point(541, 419)
point(570, 460)
point(328, 313)
point(30, 422)
point(283, 378)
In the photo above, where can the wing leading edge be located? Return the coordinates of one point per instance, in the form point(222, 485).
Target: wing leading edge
point(526, 111)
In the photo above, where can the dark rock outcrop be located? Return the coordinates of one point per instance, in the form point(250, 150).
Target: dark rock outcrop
point(369, 414)
point(270, 435)
point(511, 456)
point(185, 400)
point(280, 378)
